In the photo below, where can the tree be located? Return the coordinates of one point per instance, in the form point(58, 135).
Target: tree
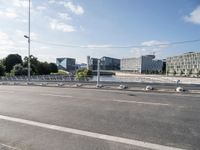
point(53, 68)
point(2, 69)
point(12, 60)
point(18, 69)
point(34, 64)
point(43, 68)
point(83, 74)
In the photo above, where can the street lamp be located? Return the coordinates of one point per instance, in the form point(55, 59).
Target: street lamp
point(98, 72)
point(29, 40)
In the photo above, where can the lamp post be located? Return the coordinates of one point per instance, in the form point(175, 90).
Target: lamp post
point(29, 40)
point(98, 72)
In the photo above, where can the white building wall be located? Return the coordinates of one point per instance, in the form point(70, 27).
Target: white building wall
point(143, 64)
point(131, 64)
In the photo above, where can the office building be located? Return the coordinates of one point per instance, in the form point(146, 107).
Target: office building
point(143, 64)
point(68, 64)
point(186, 64)
point(106, 63)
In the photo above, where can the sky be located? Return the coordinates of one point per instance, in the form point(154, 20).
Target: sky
point(96, 28)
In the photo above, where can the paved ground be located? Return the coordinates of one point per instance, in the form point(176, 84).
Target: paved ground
point(47, 118)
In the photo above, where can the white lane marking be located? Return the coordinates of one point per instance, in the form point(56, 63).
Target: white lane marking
point(137, 102)
point(7, 92)
point(115, 100)
point(55, 95)
point(90, 134)
point(8, 146)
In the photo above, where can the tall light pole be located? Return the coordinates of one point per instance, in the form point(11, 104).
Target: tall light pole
point(98, 72)
point(29, 40)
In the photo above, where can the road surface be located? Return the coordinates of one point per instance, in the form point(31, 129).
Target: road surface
point(49, 118)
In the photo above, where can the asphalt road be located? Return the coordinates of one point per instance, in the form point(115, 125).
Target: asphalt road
point(47, 118)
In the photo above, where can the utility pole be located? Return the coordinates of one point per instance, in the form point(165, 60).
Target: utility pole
point(98, 72)
point(29, 41)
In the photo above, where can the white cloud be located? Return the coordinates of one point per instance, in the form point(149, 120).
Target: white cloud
point(76, 9)
point(60, 26)
point(21, 3)
point(64, 16)
point(8, 13)
point(149, 47)
point(51, 1)
point(194, 16)
point(40, 8)
point(97, 46)
point(5, 41)
point(154, 43)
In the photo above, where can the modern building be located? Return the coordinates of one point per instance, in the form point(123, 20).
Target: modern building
point(68, 64)
point(92, 63)
point(186, 64)
point(81, 66)
point(143, 64)
point(106, 63)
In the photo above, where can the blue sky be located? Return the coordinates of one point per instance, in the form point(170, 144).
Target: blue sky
point(94, 26)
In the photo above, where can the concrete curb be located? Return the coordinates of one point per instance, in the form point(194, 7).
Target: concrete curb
point(136, 89)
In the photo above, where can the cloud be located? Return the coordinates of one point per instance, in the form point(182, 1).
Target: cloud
point(60, 26)
point(149, 47)
point(154, 43)
point(76, 9)
point(5, 41)
point(51, 1)
point(64, 16)
point(194, 16)
point(97, 46)
point(40, 8)
point(21, 3)
point(8, 13)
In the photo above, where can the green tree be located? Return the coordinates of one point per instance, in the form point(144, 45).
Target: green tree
point(43, 68)
point(2, 69)
point(34, 64)
point(12, 60)
point(53, 68)
point(18, 69)
point(83, 74)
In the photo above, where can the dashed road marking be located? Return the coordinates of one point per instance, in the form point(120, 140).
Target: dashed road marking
point(55, 95)
point(114, 100)
point(145, 103)
point(7, 92)
point(90, 134)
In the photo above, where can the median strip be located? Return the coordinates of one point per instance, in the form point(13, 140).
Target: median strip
point(90, 134)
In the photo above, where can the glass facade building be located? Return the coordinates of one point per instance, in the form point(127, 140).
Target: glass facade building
point(68, 64)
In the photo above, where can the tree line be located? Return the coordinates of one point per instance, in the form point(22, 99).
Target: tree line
point(13, 65)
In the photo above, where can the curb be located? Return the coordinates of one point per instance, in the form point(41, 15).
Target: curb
point(133, 89)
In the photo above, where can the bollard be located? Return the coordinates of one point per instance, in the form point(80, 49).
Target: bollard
point(122, 87)
point(149, 88)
